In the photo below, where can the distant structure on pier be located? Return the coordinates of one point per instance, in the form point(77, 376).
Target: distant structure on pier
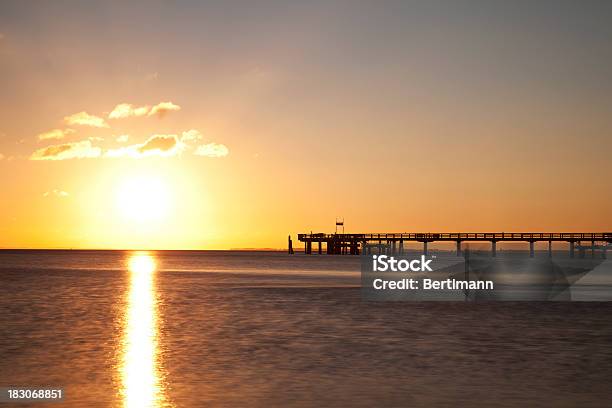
point(392, 243)
point(340, 223)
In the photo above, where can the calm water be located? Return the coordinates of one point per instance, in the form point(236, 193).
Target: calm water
point(191, 329)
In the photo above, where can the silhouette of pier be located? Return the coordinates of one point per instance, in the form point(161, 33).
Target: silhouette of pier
point(393, 243)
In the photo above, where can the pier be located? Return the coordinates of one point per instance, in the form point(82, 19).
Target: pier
point(393, 243)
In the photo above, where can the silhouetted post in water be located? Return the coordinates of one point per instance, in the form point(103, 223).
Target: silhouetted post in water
point(401, 247)
point(493, 249)
point(290, 246)
point(458, 248)
point(531, 249)
point(320, 250)
point(571, 249)
point(425, 248)
point(550, 249)
point(467, 271)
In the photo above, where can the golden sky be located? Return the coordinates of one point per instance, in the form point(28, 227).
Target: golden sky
point(182, 125)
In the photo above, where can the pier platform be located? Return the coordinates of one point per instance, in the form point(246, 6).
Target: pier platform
point(355, 244)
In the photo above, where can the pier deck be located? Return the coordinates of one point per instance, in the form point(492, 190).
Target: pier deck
point(354, 244)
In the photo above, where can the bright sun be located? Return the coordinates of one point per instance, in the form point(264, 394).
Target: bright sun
point(143, 199)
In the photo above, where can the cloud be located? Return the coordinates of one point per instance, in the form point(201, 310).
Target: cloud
point(162, 108)
point(55, 134)
point(122, 138)
point(96, 138)
point(85, 119)
point(156, 145)
point(126, 110)
point(191, 135)
point(212, 150)
point(56, 193)
point(151, 76)
point(162, 143)
point(78, 150)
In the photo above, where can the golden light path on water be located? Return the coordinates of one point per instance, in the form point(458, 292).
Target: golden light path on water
point(140, 371)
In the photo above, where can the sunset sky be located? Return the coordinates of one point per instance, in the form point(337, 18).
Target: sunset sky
point(227, 124)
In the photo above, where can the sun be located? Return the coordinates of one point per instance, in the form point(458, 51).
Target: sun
point(143, 199)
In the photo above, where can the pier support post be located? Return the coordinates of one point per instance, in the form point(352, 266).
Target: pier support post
point(425, 248)
point(571, 249)
point(320, 249)
point(531, 249)
point(493, 249)
point(401, 247)
point(290, 246)
point(393, 250)
point(458, 248)
point(308, 248)
point(593, 249)
point(550, 249)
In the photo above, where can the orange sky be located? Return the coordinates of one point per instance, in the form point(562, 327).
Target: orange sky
point(217, 126)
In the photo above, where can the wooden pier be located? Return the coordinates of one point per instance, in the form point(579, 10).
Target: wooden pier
point(354, 244)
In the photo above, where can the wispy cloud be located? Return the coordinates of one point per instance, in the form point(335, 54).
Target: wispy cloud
point(77, 150)
point(156, 145)
point(55, 134)
point(126, 110)
point(162, 108)
point(191, 135)
point(151, 76)
point(122, 138)
point(55, 193)
point(212, 150)
point(85, 119)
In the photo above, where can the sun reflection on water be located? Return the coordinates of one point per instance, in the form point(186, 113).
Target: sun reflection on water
point(140, 370)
